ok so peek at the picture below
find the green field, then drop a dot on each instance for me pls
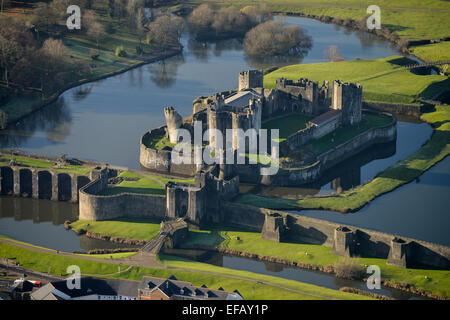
(437, 281)
(147, 184)
(58, 264)
(382, 80)
(158, 142)
(433, 52)
(287, 125)
(341, 135)
(136, 228)
(410, 19)
(250, 289)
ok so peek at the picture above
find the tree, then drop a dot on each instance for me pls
(96, 31)
(230, 22)
(273, 39)
(201, 19)
(332, 54)
(257, 15)
(165, 31)
(10, 52)
(43, 17)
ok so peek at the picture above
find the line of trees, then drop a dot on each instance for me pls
(274, 39)
(227, 22)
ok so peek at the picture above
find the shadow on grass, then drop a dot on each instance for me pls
(118, 190)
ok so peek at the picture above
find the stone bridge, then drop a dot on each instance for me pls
(41, 183)
(170, 234)
(426, 64)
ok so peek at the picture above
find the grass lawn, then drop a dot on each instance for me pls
(287, 125)
(44, 164)
(108, 256)
(137, 228)
(41, 261)
(438, 281)
(433, 52)
(342, 135)
(147, 184)
(379, 81)
(411, 19)
(158, 142)
(142, 186)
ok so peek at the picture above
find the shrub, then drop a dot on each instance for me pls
(349, 268)
(120, 52)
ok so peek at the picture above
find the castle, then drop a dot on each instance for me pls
(248, 108)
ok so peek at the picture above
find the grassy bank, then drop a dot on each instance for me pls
(287, 125)
(139, 229)
(272, 288)
(176, 262)
(413, 19)
(43, 164)
(382, 80)
(79, 47)
(433, 281)
(58, 264)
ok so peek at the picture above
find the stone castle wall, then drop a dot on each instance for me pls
(95, 207)
(326, 160)
(368, 243)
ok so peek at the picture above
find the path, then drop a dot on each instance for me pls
(143, 259)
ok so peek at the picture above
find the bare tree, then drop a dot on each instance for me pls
(332, 54)
(97, 32)
(273, 39)
(229, 22)
(165, 31)
(9, 54)
(201, 19)
(55, 50)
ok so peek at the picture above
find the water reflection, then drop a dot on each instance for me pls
(55, 120)
(40, 222)
(164, 73)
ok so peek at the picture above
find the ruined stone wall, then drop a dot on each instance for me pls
(407, 109)
(95, 207)
(347, 97)
(328, 127)
(160, 160)
(250, 79)
(298, 176)
(367, 243)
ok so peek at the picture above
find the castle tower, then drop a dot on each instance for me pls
(347, 97)
(273, 228)
(174, 122)
(250, 79)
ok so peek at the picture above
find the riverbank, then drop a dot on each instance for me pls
(413, 22)
(405, 171)
(79, 53)
(315, 257)
(250, 285)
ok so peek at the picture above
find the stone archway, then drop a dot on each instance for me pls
(64, 187)
(7, 181)
(44, 185)
(26, 182)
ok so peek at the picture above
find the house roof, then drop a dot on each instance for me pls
(88, 286)
(325, 117)
(242, 98)
(183, 290)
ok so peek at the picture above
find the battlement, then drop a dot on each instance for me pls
(347, 97)
(174, 122)
(250, 79)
